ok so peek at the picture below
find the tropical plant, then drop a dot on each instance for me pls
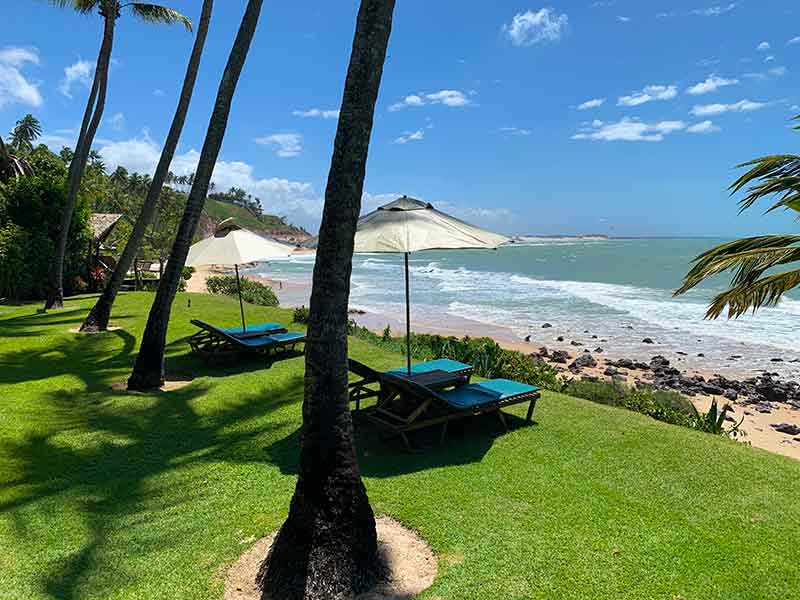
(24, 134)
(110, 11)
(12, 166)
(253, 292)
(327, 548)
(148, 372)
(752, 259)
(714, 421)
(98, 317)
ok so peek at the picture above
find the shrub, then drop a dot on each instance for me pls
(14, 276)
(300, 315)
(34, 205)
(253, 292)
(186, 273)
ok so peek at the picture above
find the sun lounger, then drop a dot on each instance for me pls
(405, 405)
(215, 342)
(360, 390)
(255, 330)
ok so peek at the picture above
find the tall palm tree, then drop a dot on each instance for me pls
(327, 547)
(97, 319)
(12, 166)
(24, 134)
(110, 11)
(148, 372)
(754, 284)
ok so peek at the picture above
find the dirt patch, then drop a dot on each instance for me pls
(78, 330)
(170, 385)
(412, 566)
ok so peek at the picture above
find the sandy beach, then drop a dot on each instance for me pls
(757, 421)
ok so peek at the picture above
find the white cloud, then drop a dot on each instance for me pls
(158, 92)
(703, 127)
(593, 103)
(288, 145)
(316, 113)
(707, 110)
(708, 62)
(769, 58)
(763, 47)
(14, 86)
(648, 94)
(778, 71)
(451, 98)
(410, 136)
(711, 11)
(714, 11)
(296, 200)
(516, 131)
(628, 130)
(528, 28)
(77, 73)
(116, 121)
(794, 40)
(711, 84)
(622, 19)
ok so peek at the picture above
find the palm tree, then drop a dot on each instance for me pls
(12, 166)
(753, 284)
(327, 547)
(110, 11)
(24, 134)
(148, 372)
(97, 319)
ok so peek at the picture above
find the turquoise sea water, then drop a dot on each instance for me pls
(619, 290)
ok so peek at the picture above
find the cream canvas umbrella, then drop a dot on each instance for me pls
(232, 245)
(409, 225)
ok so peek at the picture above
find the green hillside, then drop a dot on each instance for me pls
(219, 211)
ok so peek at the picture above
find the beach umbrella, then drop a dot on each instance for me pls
(409, 225)
(232, 245)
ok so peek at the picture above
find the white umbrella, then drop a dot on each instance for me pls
(232, 245)
(409, 225)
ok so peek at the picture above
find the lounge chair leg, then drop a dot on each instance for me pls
(407, 443)
(531, 406)
(444, 433)
(502, 419)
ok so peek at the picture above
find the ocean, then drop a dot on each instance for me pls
(619, 290)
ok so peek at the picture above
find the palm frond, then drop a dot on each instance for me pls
(81, 6)
(771, 175)
(154, 13)
(751, 257)
(763, 292)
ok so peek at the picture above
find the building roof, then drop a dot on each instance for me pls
(102, 224)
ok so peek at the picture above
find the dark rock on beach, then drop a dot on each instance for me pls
(546, 326)
(648, 341)
(582, 362)
(787, 428)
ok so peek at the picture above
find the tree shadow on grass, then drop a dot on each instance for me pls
(468, 441)
(35, 324)
(109, 473)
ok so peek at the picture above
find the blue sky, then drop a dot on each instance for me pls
(622, 117)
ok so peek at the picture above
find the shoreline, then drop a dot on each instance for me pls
(597, 360)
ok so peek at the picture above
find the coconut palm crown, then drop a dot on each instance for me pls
(150, 13)
(754, 261)
(24, 134)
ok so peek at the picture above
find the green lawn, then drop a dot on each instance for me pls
(114, 496)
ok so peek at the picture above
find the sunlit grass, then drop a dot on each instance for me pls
(109, 495)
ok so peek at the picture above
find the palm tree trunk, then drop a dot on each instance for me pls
(327, 547)
(98, 317)
(148, 372)
(91, 121)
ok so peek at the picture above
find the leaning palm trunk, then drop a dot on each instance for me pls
(98, 317)
(148, 372)
(327, 548)
(91, 120)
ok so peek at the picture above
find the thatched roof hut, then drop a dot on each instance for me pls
(102, 224)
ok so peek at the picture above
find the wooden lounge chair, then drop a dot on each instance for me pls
(214, 342)
(361, 390)
(405, 405)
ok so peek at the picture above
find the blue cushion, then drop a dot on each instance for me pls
(253, 328)
(486, 392)
(257, 342)
(440, 364)
(289, 336)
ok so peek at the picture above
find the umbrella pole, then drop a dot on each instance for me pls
(408, 320)
(241, 305)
